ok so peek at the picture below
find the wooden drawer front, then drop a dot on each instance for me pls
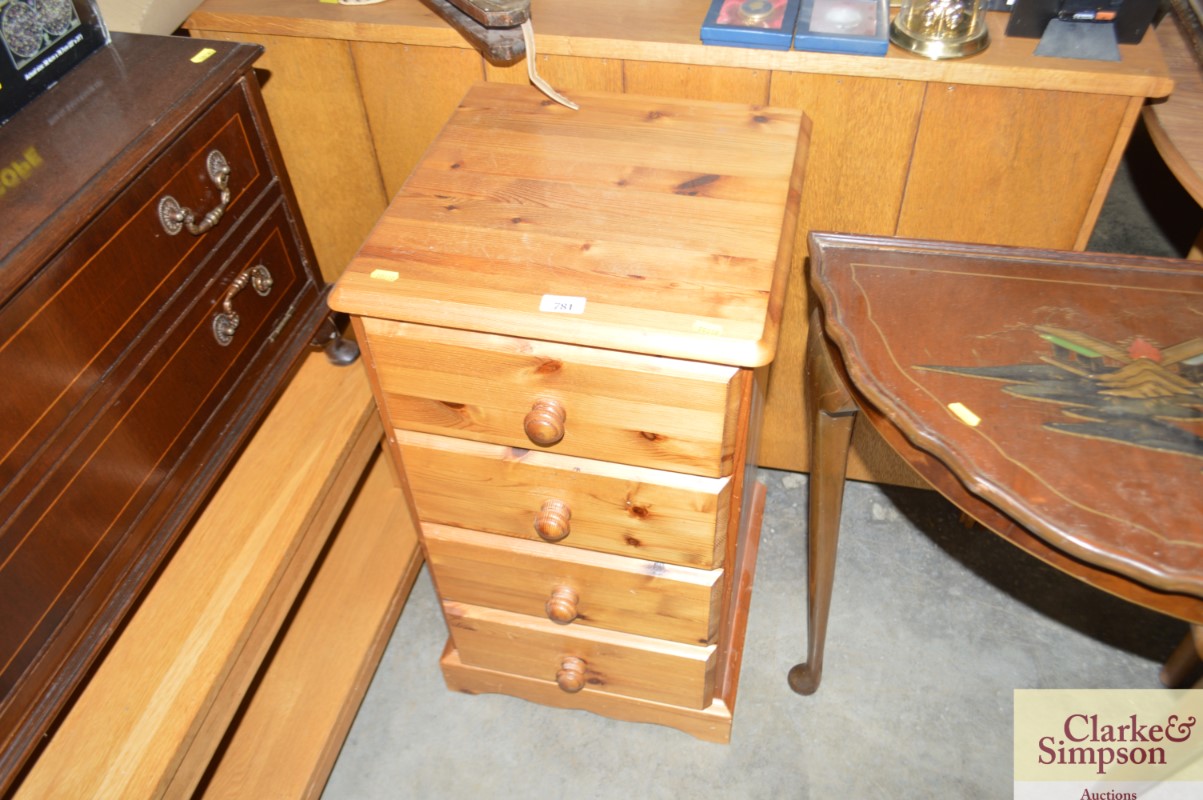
(620, 407)
(574, 587)
(636, 666)
(653, 515)
(63, 333)
(91, 512)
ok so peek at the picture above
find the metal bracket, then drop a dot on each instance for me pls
(492, 26)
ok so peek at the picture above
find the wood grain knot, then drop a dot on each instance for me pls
(691, 187)
(651, 437)
(638, 511)
(549, 366)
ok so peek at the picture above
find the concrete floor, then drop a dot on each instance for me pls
(933, 626)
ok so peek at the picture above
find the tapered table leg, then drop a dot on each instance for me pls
(1182, 667)
(832, 413)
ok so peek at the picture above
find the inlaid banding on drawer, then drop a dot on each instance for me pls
(620, 407)
(130, 455)
(64, 333)
(636, 666)
(575, 587)
(649, 514)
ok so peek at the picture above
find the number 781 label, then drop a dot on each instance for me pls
(560, 304)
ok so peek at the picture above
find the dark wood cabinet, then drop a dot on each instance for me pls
(157, 288)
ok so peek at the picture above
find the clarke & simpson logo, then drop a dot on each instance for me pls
(1108, 744)
(1083, 739)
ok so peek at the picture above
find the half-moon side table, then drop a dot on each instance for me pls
(1173, 122)
(1055, 397)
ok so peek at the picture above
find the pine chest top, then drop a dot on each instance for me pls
(652, 225)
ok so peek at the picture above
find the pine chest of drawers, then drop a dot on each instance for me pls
(567, 317)
(156, 289)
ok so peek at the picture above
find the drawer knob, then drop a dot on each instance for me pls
(175, 217)
(571, 676)
(225, 322)
(551, 523)
(544, 423)
(561, 606)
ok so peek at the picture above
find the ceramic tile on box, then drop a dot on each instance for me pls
(766, 24)
(861, 27)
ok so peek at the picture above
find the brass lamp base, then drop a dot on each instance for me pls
(938, 48)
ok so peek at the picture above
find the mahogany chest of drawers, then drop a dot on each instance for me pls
(566, 315)
(156, 288)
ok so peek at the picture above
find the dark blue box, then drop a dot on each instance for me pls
(765, 24)
(860, 27)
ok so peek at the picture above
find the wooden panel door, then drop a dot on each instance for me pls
(312, 96)
(408, 94)
(1011, 166)
(564, 73)
(863, 129)
(696, 82)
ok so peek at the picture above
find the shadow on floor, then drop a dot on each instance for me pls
(1147, 212)
(1103, 617)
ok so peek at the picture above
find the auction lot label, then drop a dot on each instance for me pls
(1108, 744)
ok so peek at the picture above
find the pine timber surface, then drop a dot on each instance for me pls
(624, 407)
(634, 666)
(663, 229)
(623, 594)
(649, 514)
(670, 233)
(712, 723)
(289, 735)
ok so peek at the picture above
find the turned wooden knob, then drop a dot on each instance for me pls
(571, 676)
(544, 423)
(561, 606)
(551, 523)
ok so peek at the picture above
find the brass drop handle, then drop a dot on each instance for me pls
(175, 217)
(561, 606)
(225, 322)
(571, 675)
(544, 423)
(552, 521)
